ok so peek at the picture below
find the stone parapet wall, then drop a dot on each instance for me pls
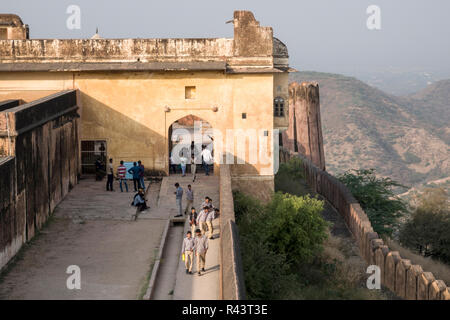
(406, 280)
(39, 146)
(232, 286)
(252, 46)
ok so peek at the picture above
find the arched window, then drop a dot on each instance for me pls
(278, 107)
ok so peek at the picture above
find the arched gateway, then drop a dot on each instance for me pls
(187, 138)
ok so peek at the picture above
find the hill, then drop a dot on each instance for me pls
(405, 138)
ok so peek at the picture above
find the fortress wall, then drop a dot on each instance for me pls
(39, 166)
(232, 286)
(304, 132)
(398, 275)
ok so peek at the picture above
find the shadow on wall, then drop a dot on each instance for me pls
(130, 140)
(126, 138)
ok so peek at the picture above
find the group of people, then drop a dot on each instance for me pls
(206, 160)
(201, 224)
(137, 171)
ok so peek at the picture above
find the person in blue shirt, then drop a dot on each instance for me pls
(136, 172)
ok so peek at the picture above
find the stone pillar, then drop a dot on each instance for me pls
(435, 290)
(423, 284)
(400, 277)
(392, 259)
(412, 280)
(445, 295)
(305, 126)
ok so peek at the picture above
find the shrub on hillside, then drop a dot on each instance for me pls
(295, 226)
(428, 229)
(376, 197)
(275, 238)
(294, 168)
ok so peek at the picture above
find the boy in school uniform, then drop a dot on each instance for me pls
(201, 248)
(201, 220)
(188, 250)
(209, 222)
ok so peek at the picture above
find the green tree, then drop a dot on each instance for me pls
(376, 197)
(428, 229)
(296, 227)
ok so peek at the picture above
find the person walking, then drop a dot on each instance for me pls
(110, 171)
(141, 174)
(193, 220)
(209, 222)
(193, 167)
(207, 203)
(201, 220)
(188, 250)
(201, 248)
(179, 199)
(183, 163)
(121, 172)
(207, 159)
(135, 171)
(189, 199)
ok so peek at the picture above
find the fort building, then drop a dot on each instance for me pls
(131, 91)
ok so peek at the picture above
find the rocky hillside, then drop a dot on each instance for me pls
(406, 138)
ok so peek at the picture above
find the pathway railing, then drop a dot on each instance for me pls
(232, 286)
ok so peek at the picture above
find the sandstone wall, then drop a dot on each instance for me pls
(399, 275)
(304, 133)
(39, 167)
(232, 286)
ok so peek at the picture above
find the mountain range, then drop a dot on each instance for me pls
(406, 138)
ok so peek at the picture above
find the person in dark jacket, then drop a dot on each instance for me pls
(193, 220)
(136, 172)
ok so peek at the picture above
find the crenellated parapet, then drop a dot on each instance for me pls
(253, 49)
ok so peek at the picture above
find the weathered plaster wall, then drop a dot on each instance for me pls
(40, 169)
(281, 89)
(127, 109)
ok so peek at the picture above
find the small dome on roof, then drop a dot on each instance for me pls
(96, 35)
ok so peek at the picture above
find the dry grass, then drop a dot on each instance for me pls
(350, 269)
(440, 270)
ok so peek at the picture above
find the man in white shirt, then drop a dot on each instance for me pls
(183, 163)
(207, 159)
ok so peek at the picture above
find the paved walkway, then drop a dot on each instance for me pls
(93, 229)
(97, 231)
(173, 282)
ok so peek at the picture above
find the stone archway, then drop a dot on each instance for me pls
(187, 137)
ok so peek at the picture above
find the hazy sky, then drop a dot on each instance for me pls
(321, 35)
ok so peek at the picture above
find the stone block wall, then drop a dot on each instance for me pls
(399, 275)
(232, 286)
(39, 146)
